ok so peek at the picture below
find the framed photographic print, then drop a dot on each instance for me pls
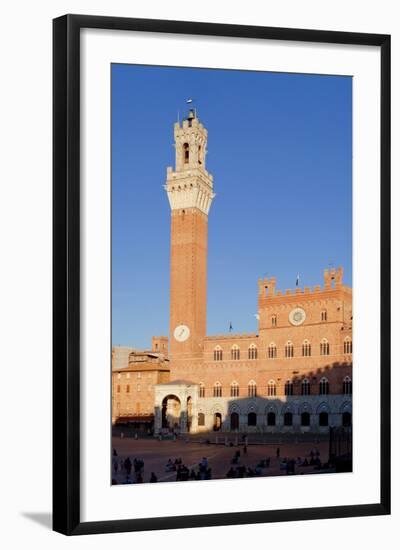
(221, 274)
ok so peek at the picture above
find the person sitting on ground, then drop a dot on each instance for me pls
(153, 478)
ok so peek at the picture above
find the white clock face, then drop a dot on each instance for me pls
(181, 333)
(297, 316)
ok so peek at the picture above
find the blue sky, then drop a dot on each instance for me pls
(280, 151)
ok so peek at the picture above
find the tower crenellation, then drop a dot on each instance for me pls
(190, 185)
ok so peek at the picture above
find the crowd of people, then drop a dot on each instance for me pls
(128, 471)
(131, 471)
(289, 465)
(183, 473)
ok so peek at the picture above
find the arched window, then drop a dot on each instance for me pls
(305, 387)
(288, 387)
(324, 347)
(323, 418)
(274, 320)
(253, 351)
(218, 353)
(252, 419)
(271, 388)
(346, 419)
(289, 350)
(202, 390)
(323, 386)
(306, 349)
(288, 419)
(347, 385)
(217, 389)
(348, 345)
(271, 419)
(305, 418)
(272, 351)
(324, 315)
(186, 153)
(234, 389)
(201, 419)
(235, 353)
(252, 389)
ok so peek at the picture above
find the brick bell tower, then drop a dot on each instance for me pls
(190, 193)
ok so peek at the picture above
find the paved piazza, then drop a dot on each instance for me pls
(155, 455)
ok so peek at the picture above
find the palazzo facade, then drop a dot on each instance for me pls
(294, 374)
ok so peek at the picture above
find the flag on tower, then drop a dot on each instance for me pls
(230, 326)
(297, 279)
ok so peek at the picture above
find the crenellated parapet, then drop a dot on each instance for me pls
(333, 280)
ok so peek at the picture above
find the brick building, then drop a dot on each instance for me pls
(294, 374)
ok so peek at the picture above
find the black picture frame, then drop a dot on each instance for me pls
(66, 273)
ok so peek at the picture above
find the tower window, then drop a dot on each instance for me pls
(202, 390)
(289, 350)
(235, 353)
(200, 154)
(324, 347)
(186, 153)
(348, 346)
(324, 315)
(217, 389)
(272, 351)
(218, 353)
(289, 388)
(324, 386)
(347, 386)
(274, 320)
(252, 389)
(253, 351)
(306, 349)
(234, 389)
(128, 388)
(305, 387)
(271, 388)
